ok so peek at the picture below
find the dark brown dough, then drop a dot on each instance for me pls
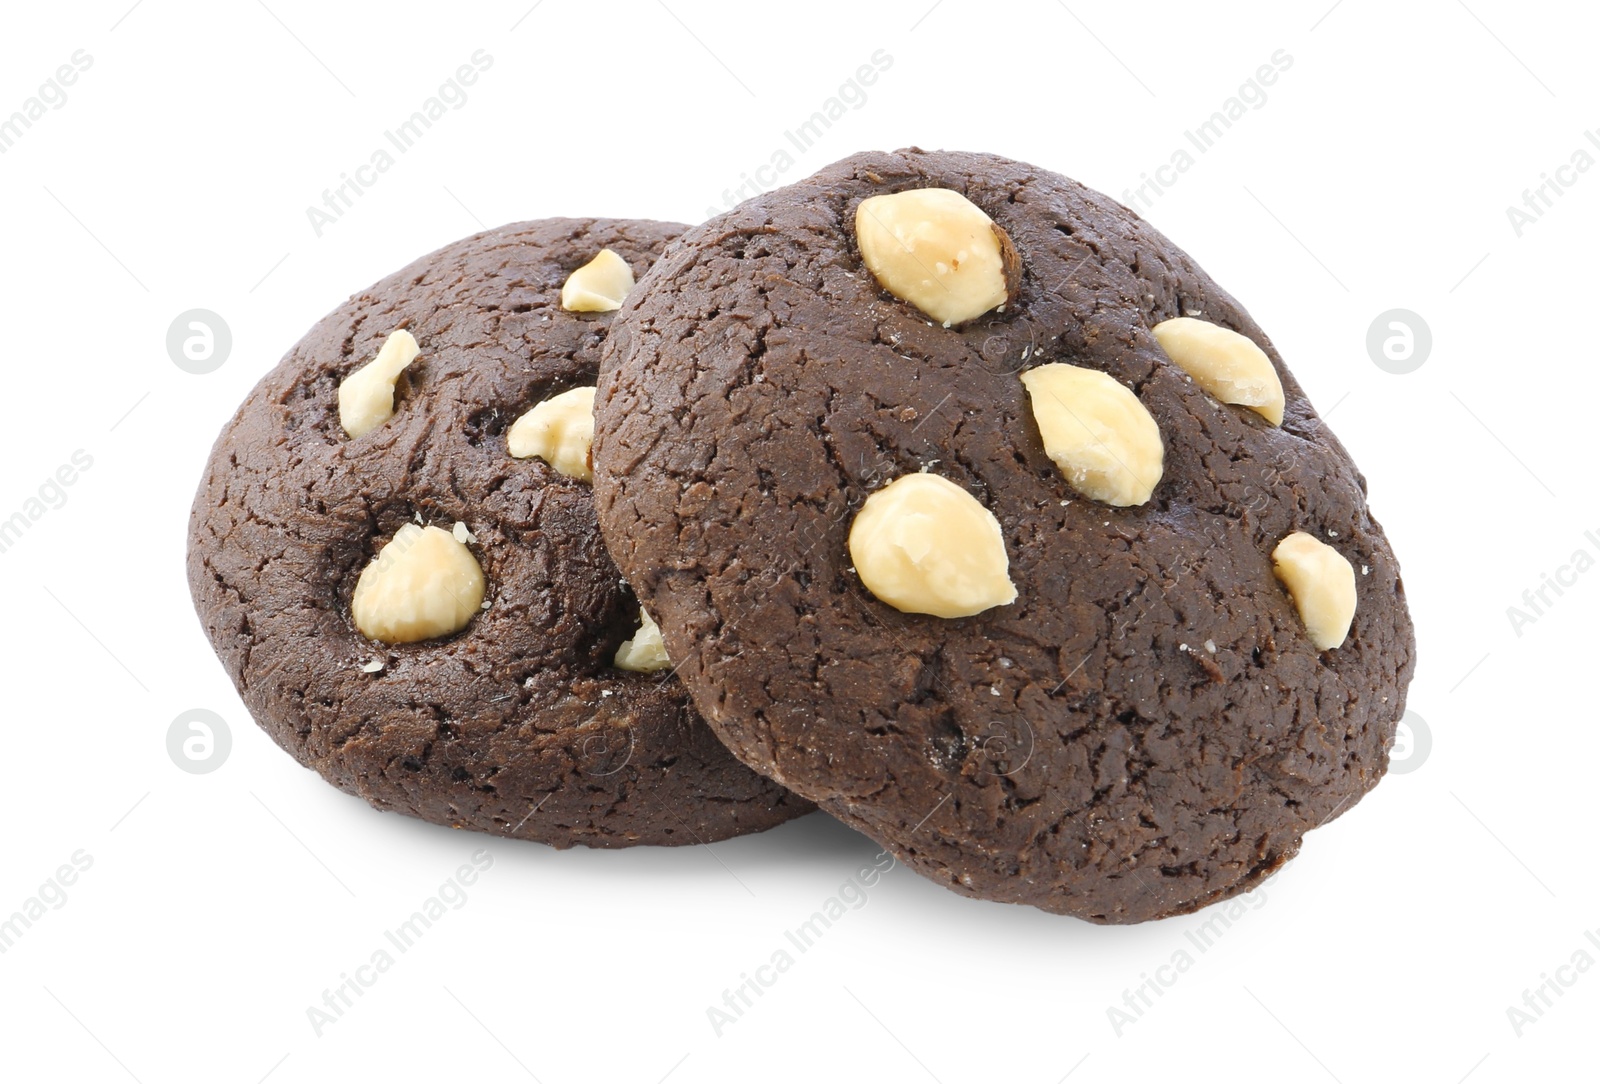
(1084, 749)
(518, 725)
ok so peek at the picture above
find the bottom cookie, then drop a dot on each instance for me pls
(521, 723)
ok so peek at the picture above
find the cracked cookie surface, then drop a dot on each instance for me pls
(1147, 728)
(518, 724)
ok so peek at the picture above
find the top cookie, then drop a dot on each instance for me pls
(1077, 682)
(512, 717)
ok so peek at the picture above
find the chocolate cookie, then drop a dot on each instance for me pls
(520, 723)
(970, 516)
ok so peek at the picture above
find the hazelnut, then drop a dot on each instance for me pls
(924, 545)
(936, 249)
(599, 285)
(424, 583)
(559, 431)
(1225, 363)
(1323, 585)
(1097, 432)
(366, 396)
(645, 652)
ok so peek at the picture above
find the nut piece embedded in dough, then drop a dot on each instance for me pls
(1224, 363)
(937, 249)
(1323, 585)
(559, 431)
(366, 396)
(645, 652)
(599, 285)
(924, 545)
(1097, 432)
(423, 584)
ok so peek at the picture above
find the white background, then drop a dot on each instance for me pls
(219, 907)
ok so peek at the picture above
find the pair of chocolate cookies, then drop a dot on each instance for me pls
(955, 498)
